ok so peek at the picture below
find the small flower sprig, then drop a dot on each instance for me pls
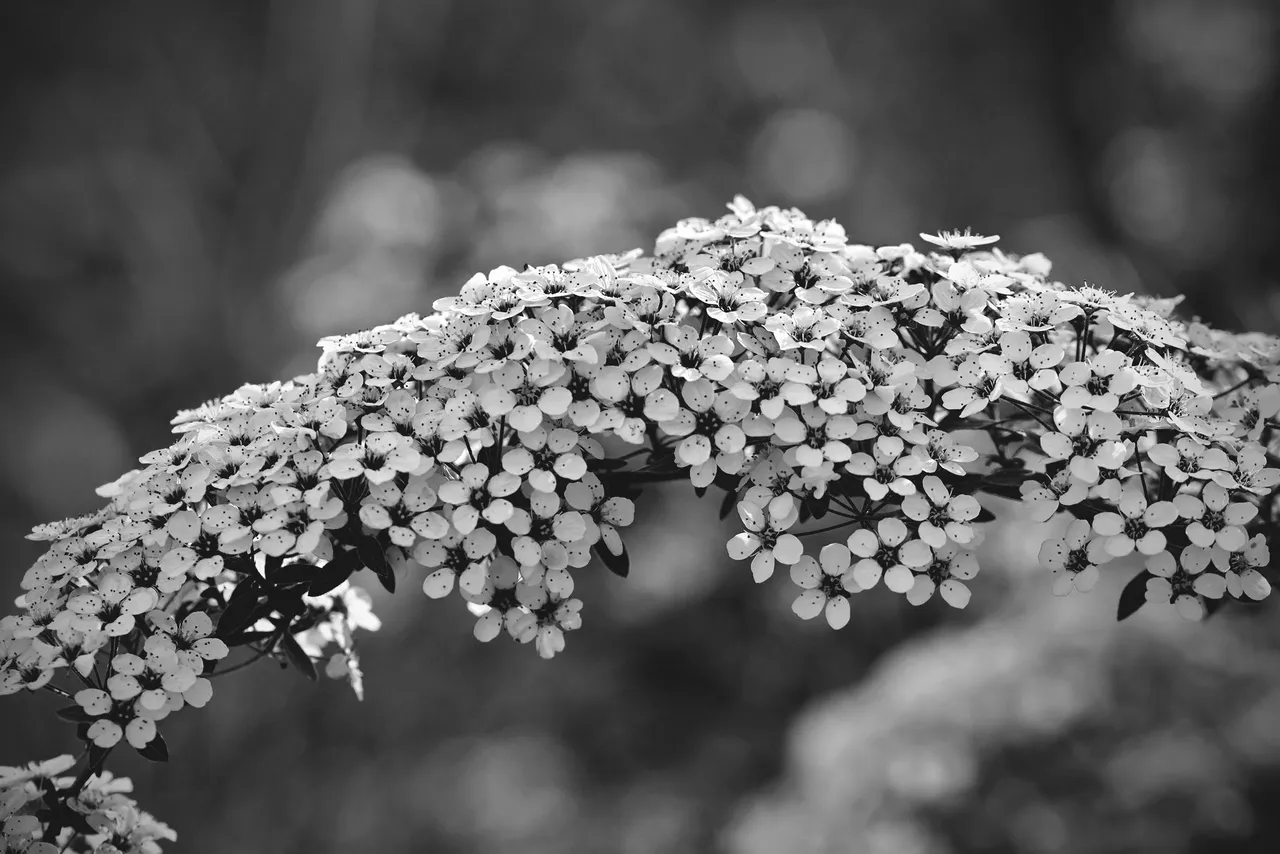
(493, 449)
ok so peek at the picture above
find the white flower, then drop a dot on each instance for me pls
(942, 450)
(380, 458)
(479, 497)
(690, 357)
(1038, 312)
(1242, 569)
(708, 430)
(958, 241)
(1045, 499)
(190, 644)
(885, 470)
(1099, 383)
(979, 386)
(1074, 558)
(1137, 525)
(827, 584)
(457, 557)
(1086, 441)
(946, 573)
(886, 551)
(765, 541)
(495, 605)
(113, 605)
(1021, 366)
(806, 327)
(941, 515)
(544, 455)
(727, 300)
(1188, 458)
(603, 515)
(1213, 519)
(1251, 472)
(1183, 581)
(544, 532)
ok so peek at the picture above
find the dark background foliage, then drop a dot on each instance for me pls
(191, 193)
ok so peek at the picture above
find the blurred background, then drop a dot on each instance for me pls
(192, 193)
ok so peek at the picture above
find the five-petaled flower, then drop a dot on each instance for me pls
(1137, 525)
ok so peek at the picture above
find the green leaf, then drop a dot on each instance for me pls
(298, 657)
(156, 750)
(1134, 595)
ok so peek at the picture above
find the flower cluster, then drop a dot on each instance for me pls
(492, 449)
(100, 815)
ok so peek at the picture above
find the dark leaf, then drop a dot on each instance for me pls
(298, 657)
(700, 491)
(240, 608)
(724, 480)
(247, 637)
(302, 623)
(374, 557)
(294, 573)
(1213, 606)
(50, 796)
(727, 504)
(1134, 595)
(156, 750)
(1085, 510)
(1013, 493)
(288, 602)
(77, 821)
(245, 565)
(97, 756)
(334, 572)
(74, 713)
(619, 565)
(985, 515)
(818, 507)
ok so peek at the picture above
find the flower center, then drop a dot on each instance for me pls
(1135, 529)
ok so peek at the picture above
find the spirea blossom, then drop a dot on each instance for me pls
(496, 449)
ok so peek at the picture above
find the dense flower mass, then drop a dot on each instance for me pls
(492, 449)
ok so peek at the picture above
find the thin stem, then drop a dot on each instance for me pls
(1244, 382)
(232, 669)
(1026, 407)
(823, 530)
(1142, 475)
